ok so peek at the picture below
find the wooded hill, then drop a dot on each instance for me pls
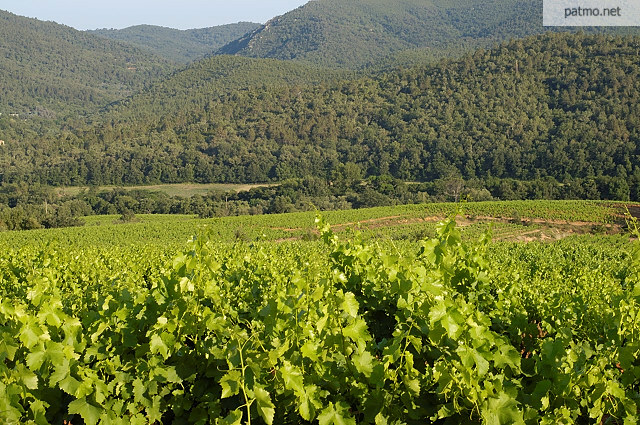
(47, 69)
(216, 76)
(179, 45)
(361, 33)
(556, 105)
(381, 35)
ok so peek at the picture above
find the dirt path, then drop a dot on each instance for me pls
(634, 210)
(546, 230)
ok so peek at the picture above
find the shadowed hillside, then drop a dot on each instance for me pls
(48, 69)
(179, 45)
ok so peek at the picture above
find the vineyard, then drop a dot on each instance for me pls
(417, 317)
(397, 222)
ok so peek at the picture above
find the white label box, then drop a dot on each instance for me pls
(591, 13)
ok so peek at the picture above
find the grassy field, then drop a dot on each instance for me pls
(184, 190)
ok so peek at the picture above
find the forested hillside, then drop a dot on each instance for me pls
(179, 45)
(47, 69)
(357, 33)
(215, 76)
(557, 105)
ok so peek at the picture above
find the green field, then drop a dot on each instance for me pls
(407, 317)
(185, 190)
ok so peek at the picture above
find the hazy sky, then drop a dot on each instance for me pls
(181, 14)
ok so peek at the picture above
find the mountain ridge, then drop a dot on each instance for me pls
(182, 46)
(359, 32)
(377, 34)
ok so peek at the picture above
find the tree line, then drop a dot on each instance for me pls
(27, 207)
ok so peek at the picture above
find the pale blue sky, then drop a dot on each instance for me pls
(181, 14)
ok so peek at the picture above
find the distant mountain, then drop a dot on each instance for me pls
(552, 106)
(179, 45)
(48, 69)
(383, 33)
(353, 33)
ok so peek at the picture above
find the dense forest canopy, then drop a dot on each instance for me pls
(556, 105)
(217, 76)
(179, 45)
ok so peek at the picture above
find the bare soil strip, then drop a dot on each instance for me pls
(546, 230)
